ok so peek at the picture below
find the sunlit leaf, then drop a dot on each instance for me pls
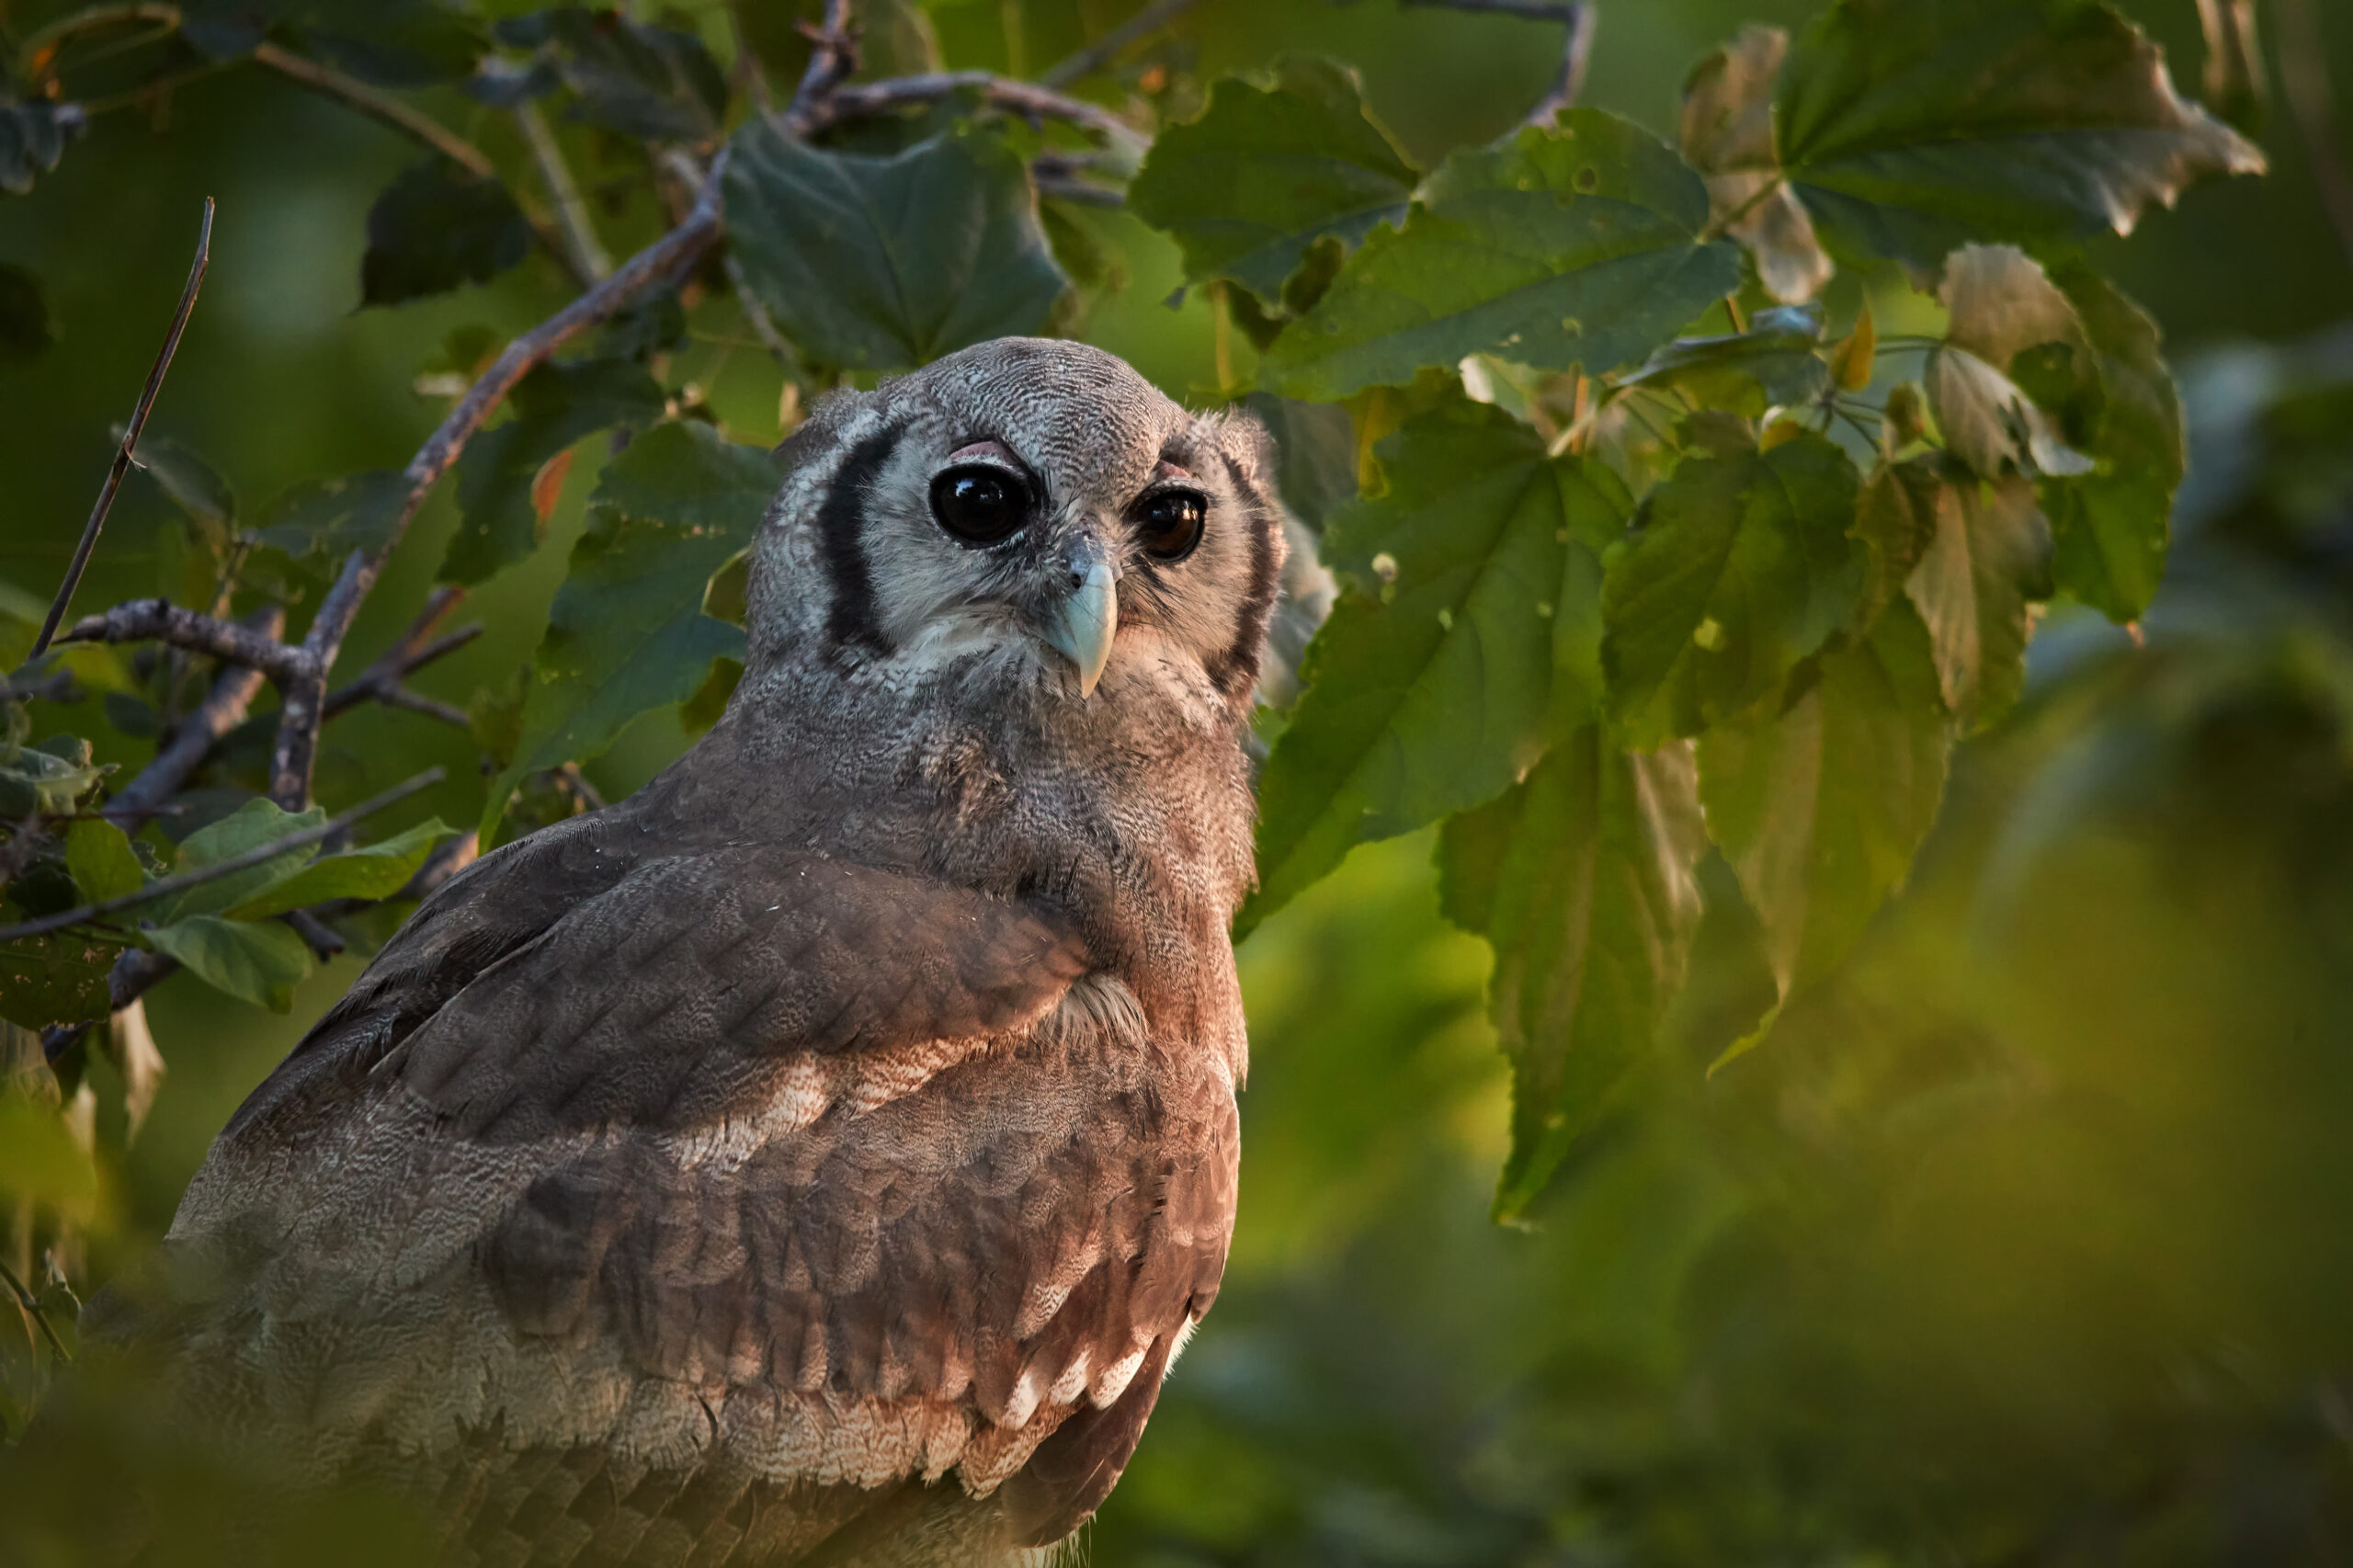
(1895, 518)
(259, 961)
(103, 863)
(249, 827)
(437, 226)
(1778, 362)
(377, 870)
(1266, 171)
(1576, 244)
(627, 632)
(556, 406)
(883, 263)
(1586, 890)
(1726, 134)
(1989, 555)
(1430, 687)
(1821, 802)
(1910, 126)
(1739, 566)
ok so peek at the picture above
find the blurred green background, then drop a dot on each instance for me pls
(2030, 1240)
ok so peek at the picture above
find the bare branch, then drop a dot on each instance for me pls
(305, 696)
(381, 681)
(161, 621)
(260, 854)
(1025, 98)
(586, 255)
(832, 61)
(130, 432)
(193, 738)
(1111, 45)
(1535, 10)
(379, 107)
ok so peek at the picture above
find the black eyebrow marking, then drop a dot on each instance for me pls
(841, 522)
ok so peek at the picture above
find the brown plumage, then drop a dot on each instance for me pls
(820, 1156)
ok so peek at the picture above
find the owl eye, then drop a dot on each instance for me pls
(980, 504)
(1169, 523)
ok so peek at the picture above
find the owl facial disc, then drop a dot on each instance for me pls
(1083, 628)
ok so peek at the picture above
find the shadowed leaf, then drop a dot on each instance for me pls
(1726, 134)
(257, 960)
(437, 226)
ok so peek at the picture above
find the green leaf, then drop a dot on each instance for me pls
(2116, 401)
(380, 870)
(556, 406)
(1740, 566)
(652, 83)
(318, 523)
(57, 979)
(627, 632)
(1895, 517)
(103, 863)
(1821, 802)
(1989, 555)
(1429, 689)
(437, 226)
(24, 330)
(1590, 897)
(885, 263)
(35, 780)
(40, 1160)
(1777, 363)
(1909, 126)
(1574, 244)
(259, 960)
(193, 484)
(394, 44)
(32, 137)
(1247, 189)
(251, 825)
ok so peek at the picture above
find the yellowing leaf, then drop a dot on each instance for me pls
(1854, 360)
(1727, 134)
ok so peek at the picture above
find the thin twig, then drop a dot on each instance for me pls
(833, 59)
(260, 854)
(383, 681)
(588, 259)
(1111, 45)
(1025, 98)
(1535, 10)
(379, 107)
(1577, 52)
(161, 621)
(305, 696)
(130, 432)
(2304, 74)
(32, 1309)
(91, 19)
(194, 736)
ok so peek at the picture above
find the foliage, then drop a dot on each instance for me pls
(1667, 584)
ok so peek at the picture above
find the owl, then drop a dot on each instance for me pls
(821, 1155)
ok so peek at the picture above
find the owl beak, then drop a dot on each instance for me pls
(1082, 629)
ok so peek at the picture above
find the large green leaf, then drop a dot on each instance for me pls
(103, 863)
(627, 632)
(1266, 172)
(318, 523)
(1572, 244)
(1429, 688)
(1740, 566)
(1988, 556)
(257, 960)
(437, 226)
(1909, 126)
(249, 827)
(57, 979)
(1583, 877)
(1821, 802)
(501, 520)
(885, 263)
(2116, 402)
(377, 870)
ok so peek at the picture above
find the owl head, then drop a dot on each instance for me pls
(1031, 508)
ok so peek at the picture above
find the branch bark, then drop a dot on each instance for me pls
(1025, 98)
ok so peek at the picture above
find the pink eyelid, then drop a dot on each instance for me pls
(982, 450)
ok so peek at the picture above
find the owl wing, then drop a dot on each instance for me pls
(748, 1149)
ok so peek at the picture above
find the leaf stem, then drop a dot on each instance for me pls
(589, 263)
(32, 1309)
(260, 854)
(378, 105)
(129, 443)
(1092, 57)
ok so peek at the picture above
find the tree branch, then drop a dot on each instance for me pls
(130, 432)
(305, 694)
(260, 854)
(378, 105)
(193, 738)
(381, 681)
(833, 59)
(1111, 45)
(1575, 54)
(589, 262)
(1025, 98)
(164, 621)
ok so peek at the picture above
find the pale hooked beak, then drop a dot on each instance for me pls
(1082, 629)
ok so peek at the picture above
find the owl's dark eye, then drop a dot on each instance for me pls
(980, 504)
(1169, 523)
